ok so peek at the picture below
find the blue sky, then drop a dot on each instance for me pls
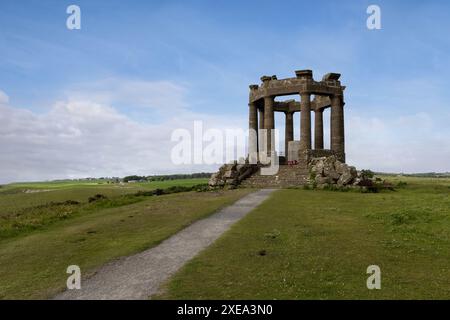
(195, 59)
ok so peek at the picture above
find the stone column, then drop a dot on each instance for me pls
(318, 129)
(269, 122)
(253, 132)
(289, 131)
(337, 124)
(261, 118)
(261, 138)
(305, 121)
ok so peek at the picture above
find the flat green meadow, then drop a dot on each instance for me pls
(45, 230)
(16, 196)
(26, 207)
(298, 244)
(310, 244)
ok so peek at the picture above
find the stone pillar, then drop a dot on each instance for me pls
(269, 122)
(289, 132)
(318, 129)
(261, 118)
(337, 125)
(305, 121)
(253, 132)
(261, 138)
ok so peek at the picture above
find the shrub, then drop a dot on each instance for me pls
(401, 184)
(97, 197)
(201, 187)
(70, 202)
(367, 174)
(174, 189)
(142, 193)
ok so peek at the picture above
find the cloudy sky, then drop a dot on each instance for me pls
(104, 100)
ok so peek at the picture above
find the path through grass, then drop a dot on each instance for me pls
(34, 266)
(303, 244)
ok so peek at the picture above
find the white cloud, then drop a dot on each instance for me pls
(81, 138)
(408, 143)
(85, 134)
(4, 99)
(157, 95)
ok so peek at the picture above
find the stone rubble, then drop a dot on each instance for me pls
(232, 174)
(329, 171)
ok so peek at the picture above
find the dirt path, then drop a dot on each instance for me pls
(139, 276)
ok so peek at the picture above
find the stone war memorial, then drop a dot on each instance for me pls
(302, 163)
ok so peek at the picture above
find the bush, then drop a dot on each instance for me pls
(201, 187)
(158, 192)
(144, 193)
(174, 189)
(177, 189)
(97, 197)
(70, 202)
(401, 184)
(367, 174)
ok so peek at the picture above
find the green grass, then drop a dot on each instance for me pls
(17, 196)
(34, 266)
(305, 244)
(23, 212)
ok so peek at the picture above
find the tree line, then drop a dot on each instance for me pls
(166, 177)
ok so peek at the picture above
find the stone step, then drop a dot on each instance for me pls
(286, 176)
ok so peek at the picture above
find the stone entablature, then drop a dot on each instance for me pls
(319, 103)
(303, 83)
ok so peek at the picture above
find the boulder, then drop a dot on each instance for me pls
(348, 175)
(231, 174)
(321, 180)
(345, 179)
(334, 175)
(340, 167)
(318, 168)
(329, 170)
(329, 167)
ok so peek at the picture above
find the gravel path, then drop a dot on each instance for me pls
(139, 276)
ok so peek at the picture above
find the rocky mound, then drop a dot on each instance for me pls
(232, 174)
(329, 171)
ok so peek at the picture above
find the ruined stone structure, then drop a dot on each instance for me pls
(328, 93)
(295, 167)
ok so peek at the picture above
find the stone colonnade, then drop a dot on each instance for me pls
(328, 94)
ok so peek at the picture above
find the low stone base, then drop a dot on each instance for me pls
(287, 176)
(308, 170)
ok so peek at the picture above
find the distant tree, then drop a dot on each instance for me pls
(368, 174)
(132, 178)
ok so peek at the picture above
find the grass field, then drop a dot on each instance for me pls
(17, 196)
(27, 207)
(33, 265)
(303, 244)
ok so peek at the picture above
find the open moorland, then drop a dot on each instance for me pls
(298, 244)
(61, 224)
(310, 244)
